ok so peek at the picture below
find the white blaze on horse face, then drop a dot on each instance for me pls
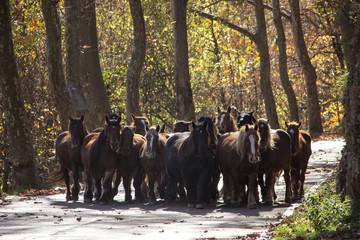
(252, 144)
(292, 132)
(221, 119)
(151, 142)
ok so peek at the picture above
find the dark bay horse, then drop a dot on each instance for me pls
(245, 118)
(67, 149)
(301, 152)
(225, 121)
(187, 162)
(239, 157)
(100, 160)
(182, 126)
(140, 124)
(129, 164)
(275, 148)
(152, 158)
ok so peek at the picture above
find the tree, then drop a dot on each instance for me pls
(283, 69)
(181, 63)
(54, 62)
(348, 14)
(21, 150)
(314, 116)
(137, 60)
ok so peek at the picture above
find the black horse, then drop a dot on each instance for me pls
(187, 161)
(245, 118)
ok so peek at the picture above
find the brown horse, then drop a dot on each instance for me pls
(100, 159)
(225, 121)
(129, 165)
(140, 124)
(152, 158)
(182, 126)
(239, 157)
(275, 148)
(67, 149)
(301, 152)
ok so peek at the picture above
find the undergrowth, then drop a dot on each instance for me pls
(323, 215)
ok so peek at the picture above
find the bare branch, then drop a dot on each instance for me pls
(287, 16)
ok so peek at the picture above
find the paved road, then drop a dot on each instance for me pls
(50, 217)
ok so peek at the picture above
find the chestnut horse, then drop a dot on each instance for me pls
(239, 157)
(140, 124)
(187, 161)
(98, 154)
(275, 148)
(301, 152)
(67, 153)
(152, 158)
(225, 121)
(129, 165)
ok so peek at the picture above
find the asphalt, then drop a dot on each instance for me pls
(51, 217)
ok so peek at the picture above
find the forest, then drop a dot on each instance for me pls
(245, 53)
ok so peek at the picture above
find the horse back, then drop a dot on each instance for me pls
(306, 145)
(62, 146)
(171, 154)
(282, 149)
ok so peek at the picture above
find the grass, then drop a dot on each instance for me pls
(323, 215)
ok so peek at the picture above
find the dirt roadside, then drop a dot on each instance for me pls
(51, 217)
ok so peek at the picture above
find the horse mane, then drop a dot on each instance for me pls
(187, 147)
(238, 145)
(269, 141)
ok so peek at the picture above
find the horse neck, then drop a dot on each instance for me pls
(187, 147)
(238, 145)
(233, 127)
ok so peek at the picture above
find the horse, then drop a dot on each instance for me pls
(99, 156)
(215, 171)
(225, 121)
(239, 157)
(187, 162)
(129, 164)
(111, 117)
(234, 112)
(140, 124)
(152, 159)
(182, 126)
(245, 118)
(275, 148)
(67, 153)
(301, 152)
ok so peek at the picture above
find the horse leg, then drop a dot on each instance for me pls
(67, 183)
(270, 182)
(288, 193)
(106, 187)
(76, 187)
(152, 197)
(191, 192)
(97, 190)
(262, 186)
(170, 192)
(297, 184)
(127, 187)
(116, 183)
(181, 190)
(252, 184)
(302, 180)
(138, 180)
(202, 189)
(162, 185)
(88, 194)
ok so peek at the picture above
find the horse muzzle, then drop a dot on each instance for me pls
(75, 144)
(255, 159)
(114, 145)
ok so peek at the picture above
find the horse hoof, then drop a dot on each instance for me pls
(190, 205)
(251, 206)
(87, 200)
(103, 202)
(68, 198)
(199, 206)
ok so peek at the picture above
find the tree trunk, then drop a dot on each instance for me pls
(283, 69)
(92, 85)
(349, 169)
(265, 84)
(181, 68)
(137, 60)
(54, 62)
(21, 150)
(314, 116)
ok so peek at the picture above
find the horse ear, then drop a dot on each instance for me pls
(158, 128)
(193, 125)
(133, 116)
(82, 118)
(219, 111)
(162, 130)
(147, 128)
(251, 113)
(253, 119)
(118, 120)
(299, 124)
(214, 120)
(70, 118)
(286, 124)
(256, 127)
(246, 127)
(229, 109)
(107, 119)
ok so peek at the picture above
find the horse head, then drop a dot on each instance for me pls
(77, 131)
(211, 129)
(112, 132)
(251, 143)
(182, 126)
(140, 124)
(225, 122)
(292, 129)
(265, 134)
(245, 118)
(152, 142)
(200, 138)
(126, 140)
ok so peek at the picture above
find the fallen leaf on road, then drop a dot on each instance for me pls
(78, 219)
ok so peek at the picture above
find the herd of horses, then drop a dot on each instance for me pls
(187, 163)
